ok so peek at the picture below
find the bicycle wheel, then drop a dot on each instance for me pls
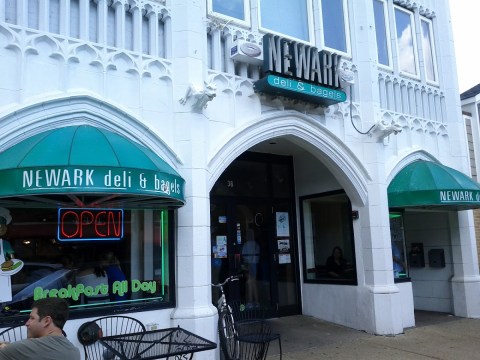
(228, 335)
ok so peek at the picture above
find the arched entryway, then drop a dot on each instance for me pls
(255, 200)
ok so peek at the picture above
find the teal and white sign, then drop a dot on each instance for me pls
(299, 71)
(82, 159)
(91, 179)
(426, 184)
(300, 90)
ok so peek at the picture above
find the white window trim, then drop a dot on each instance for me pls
(246, 8)
(388, 37)
(414, 39)
(434, 51)
(311, 35)
(348, 53)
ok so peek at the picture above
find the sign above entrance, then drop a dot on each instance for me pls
(94, 179)
(426, 184)
(300, 71)
(88, 166)
(274, 84)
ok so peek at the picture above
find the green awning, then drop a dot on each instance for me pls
(84, 166)
(425, 184)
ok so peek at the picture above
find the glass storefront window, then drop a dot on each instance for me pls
(327, 236)
(91, 274)
(400, 268)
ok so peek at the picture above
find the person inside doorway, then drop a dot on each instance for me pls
(250, 260)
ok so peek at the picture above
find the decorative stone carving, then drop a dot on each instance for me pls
(199, 95)
(383, 128)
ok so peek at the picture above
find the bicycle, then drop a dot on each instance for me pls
(226, 323)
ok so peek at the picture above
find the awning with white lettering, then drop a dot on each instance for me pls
(429, 185)
(85, 166)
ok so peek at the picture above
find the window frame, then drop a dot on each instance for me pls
(229, 19)
(433, 50)
(411, 15)
(348, 45)
(310, 25)
(325, 280)
(387, 36)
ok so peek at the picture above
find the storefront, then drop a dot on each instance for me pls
(89, 218)
(178, 142)
(426, 199)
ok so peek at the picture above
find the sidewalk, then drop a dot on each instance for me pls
(436, 336)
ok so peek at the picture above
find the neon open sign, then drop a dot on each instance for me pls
(90, 224)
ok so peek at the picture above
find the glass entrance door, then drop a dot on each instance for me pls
(255, 236)
(285, 260)
(256, 241)
(253, 252)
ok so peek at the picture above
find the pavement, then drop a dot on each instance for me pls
(436, 336)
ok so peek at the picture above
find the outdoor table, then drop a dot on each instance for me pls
(157, 344)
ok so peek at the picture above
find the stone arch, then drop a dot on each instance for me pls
(306, 133)
(26, 121)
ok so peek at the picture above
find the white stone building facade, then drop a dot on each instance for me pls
(159, 73)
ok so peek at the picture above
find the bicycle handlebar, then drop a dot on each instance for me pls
(228, 279)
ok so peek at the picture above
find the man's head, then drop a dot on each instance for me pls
(48, 316)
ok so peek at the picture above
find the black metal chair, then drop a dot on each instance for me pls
(89, 333)
(14, 333)
(253, 332)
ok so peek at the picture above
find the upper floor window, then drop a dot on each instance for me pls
(407, 58)
(381, 31)
(335, 25)
(235, 9)
(428, 50)
(286, 17)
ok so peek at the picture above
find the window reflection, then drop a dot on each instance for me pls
(406, 51)
(286, 17)
(232, 8)
(428, 52)
(400, 268)
(328, 245)
(334, 30)
(90, 274)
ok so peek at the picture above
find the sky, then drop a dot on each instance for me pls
(466, 27)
